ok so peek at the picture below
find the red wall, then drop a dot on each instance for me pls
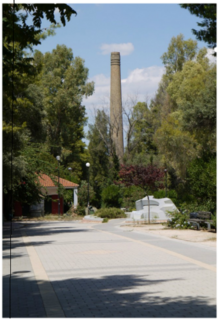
(17, 209)
(55, 204)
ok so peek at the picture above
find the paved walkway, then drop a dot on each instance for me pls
(70, 269)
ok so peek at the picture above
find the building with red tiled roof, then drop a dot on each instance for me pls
(50, 188)
(50, 182)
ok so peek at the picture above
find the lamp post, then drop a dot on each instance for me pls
(88, 165)
(58, 159)
(165, 170)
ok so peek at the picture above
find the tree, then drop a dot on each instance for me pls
(176, 147)
(83, 194)
(99, 148)
(194, 91)
(179, 52)
(64, 85)
(202, 180)
(18, 36)
(112, 196)
(103, 159)
(23, 114)
(208, 13)
(143, 130)
(22, 100)
(186, 106)
(149, 178)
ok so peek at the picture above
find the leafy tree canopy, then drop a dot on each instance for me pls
(149, 178)
(208, 13)
(179, 51)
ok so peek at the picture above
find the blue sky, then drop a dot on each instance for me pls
(140, 32)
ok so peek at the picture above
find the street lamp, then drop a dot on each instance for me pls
(88, 165)
(165, 170)
(58, 159)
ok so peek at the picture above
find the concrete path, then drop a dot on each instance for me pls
(70, 269)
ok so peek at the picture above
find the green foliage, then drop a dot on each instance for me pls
(195, 206)
(202, 179)
(194, 91)
(178, 220)
(131, 195)
(177, 146)
(179, 52)
(141, 138)
(99, 149)
(110, 213)
(23, 108)
(111, 196)
(63, 79)
(80, 210)
(171, 194)
(67, 196)
(83, 194)
(208, 13)
(215, 220)
(105, 220)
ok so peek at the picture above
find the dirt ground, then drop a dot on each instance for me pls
(200, 237)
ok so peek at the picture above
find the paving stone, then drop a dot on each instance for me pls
(99, 274)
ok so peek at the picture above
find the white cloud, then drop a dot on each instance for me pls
(124, 49)
(210, 52)
(140, 83)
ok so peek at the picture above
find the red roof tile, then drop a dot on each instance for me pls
(46, 181)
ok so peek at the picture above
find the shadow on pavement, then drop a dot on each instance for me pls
(108, 296)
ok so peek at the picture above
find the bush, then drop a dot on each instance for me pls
(80, 210)
(178, 220)
(110, 213)
(105, 220)
(131, 195)
(83, 194)
(171, 194)
(199, 206)
(215, 220)
(111, 196)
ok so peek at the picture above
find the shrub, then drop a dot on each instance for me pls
(111, 196)
(83, 194)
(130, 195)
(215, 220)
(110, 213)
(105, 220)
(178, 220)
(187, 208)
(80, 210)
(171, 194)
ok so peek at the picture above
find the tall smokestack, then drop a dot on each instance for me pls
(116, 105)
